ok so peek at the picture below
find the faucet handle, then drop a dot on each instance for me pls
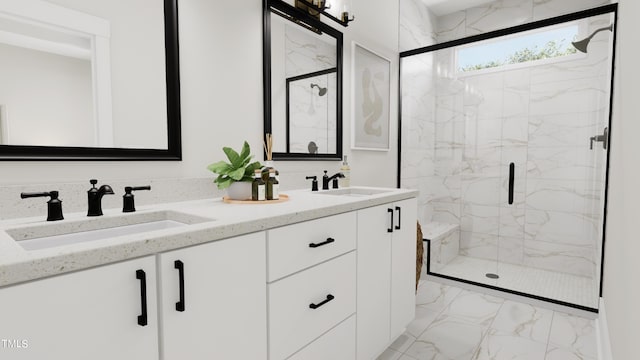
(54, 205)
(128, 204)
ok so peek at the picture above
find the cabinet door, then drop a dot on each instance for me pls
(224, 299)
(374, 279)
(403, 265)
(90, 314)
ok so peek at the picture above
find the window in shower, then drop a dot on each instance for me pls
(520, 48)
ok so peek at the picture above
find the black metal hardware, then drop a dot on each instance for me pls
(604, 139)
(54, 205)
(328, 241)
(344, 21)
(390, 228)
(329, 298)
(142, 276)
(94, 197)
(399, 210)
(512, 168)
(314, 182)
(325, 181)
(180, 266)
(128, 203)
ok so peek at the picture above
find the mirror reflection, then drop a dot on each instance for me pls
(305, 65)
(83, 73)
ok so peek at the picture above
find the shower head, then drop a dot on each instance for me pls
(321, 91)
(582, 44)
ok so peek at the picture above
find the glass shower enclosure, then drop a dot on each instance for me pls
(505, 135)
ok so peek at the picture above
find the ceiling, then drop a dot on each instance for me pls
(444, 7)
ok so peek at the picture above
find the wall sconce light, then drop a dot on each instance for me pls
(316, 7)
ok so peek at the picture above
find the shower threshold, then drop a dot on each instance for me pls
(573, 290)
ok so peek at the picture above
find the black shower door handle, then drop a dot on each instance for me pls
(179, 265)
(142, 276)
(512, 168)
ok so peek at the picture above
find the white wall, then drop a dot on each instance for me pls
(48, 98)
(221, 84)
(622, 248)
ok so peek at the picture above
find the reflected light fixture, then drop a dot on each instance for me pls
(582, 44)
(316, 7)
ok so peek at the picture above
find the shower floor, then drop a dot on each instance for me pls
(564, 287)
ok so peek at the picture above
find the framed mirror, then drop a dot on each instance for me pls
(89, 80)
(302, 84)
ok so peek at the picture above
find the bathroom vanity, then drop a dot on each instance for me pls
(325, 275)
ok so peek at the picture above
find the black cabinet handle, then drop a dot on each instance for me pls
(399, 217)
(329, 298)
(390, 228)
(142, 276)
(328, 241)
(512, 168)
(180, 266)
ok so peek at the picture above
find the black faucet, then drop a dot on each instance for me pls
(95, 197)
(128, 205)
(54, 205)
(326, 179)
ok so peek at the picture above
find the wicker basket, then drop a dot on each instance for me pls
(419, 254)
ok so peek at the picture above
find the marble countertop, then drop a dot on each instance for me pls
(219, 221)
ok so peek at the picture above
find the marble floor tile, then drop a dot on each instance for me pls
(475, 308)
(471, 326)
(502, 345)
(523, 320)
(403, 342)
(423, 318)
(573, 334)
(448, 338)
(435, 296)
(390, 354)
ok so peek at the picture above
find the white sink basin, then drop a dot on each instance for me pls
(354, 191)
(44, 236)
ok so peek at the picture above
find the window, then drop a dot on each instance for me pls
(530, 46)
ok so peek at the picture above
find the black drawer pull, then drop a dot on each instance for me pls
(399, 210)
(390, 228)
(142, 276)
(329, 298)
(328, 241)
(180, 266)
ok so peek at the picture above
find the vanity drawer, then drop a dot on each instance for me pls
(293, 322)
(337, 344)
(295, 247)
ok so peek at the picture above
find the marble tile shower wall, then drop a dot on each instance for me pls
(312, 116)
(460, 135)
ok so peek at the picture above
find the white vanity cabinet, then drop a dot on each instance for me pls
(212, 300)
(312, 289)
(91, 314)
(386, 274)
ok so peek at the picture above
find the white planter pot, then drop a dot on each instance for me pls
(239, 191)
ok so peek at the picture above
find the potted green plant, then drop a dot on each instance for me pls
(237, 174)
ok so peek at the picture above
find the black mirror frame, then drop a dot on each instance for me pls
(287, 9)
(174, 143)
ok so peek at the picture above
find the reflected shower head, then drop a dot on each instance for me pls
(321, 91)
(582, 44)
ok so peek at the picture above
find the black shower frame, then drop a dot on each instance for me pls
(611, 8)
(288, 109)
